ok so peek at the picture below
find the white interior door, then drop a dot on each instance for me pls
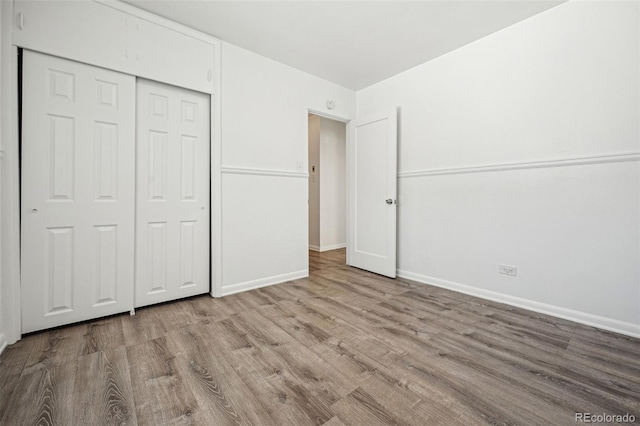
(172, 193)
(77, 195)
(372, 152)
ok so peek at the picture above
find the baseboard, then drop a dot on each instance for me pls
(263, 282)
(333, 247)
(622, 327)
(3, 342)
(327, 248)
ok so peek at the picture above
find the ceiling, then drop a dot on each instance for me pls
(351, 43)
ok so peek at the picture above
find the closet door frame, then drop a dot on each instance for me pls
(10, 77)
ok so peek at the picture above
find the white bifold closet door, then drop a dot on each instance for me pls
(172, 193)
(78, 165)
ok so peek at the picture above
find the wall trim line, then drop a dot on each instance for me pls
(262, 172)
(609, 324)
(263, 282)
(536, 164)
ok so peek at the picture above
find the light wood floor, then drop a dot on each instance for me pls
(341, 347)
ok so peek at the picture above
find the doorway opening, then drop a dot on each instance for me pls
(327, 191)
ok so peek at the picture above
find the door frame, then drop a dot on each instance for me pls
(10, 280)
(10, 183)
(345, 120)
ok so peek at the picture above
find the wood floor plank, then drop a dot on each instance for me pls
(318, 261)
(424, 310)
(145, 325)
(329, 285)
(488, 399)
(334, 421)
(160, 392)
(532, 392)
(528, 358)
(103, 391)
(305, 332)
(617, 361)
(279, 294)
(296, 371)
(340, 347)
(372, 284)
(259, 372)
(310, 371)
(389, 366)
(286, 401)
(399, 338)
(352, 369)
(210, 310)
(103, 334)
(44, 397)
(12, 365)
(178, 315)
(216, 386)
(228, 336)
(360, 408)
(400, 400)
(48, 348)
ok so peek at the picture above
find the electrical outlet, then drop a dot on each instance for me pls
(508, 270)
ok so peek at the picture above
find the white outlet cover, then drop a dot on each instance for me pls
(508, 270)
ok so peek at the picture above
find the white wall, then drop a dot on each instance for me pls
(562, 85)
(314, 182)
(264, 166)
(333, 184)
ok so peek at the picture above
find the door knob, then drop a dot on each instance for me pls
(34, 210)
(389, 201)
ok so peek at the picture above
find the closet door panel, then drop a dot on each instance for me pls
(172, 201)
(78, 133)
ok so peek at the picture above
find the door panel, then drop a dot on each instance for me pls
(77, 198)
(172, 207)
(372, 193)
